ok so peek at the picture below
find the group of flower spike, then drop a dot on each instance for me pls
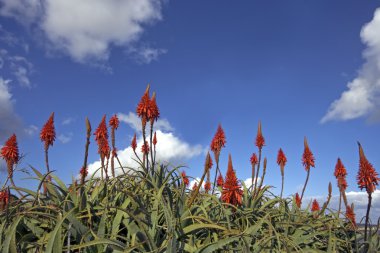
(231, 190)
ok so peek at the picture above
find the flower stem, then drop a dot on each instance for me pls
(307, 179)
(283, 179)
(367, 216)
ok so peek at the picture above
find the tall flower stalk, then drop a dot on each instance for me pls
(254, 161)
(84, 170)
(217, 143)
(10, 153)
(367, 179)
(47, 136)
(114, 124)
(259, 142)
(101, 137)
(308, 161)
(281, 161)
(154, 115)
(340, 174)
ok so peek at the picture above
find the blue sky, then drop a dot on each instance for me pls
(304, 68)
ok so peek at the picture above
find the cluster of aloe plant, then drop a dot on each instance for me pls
(150, 208)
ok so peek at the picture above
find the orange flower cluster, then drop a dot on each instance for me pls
(9, 152)
(207, 186)
(231, 193)
(281, 158)
(351, 215)
(114, 122)
(315, 206)
(154, 139)
(147, 108)
(367, 176)
(134, 143)
(340, 173)
(220, 181)
(298, 200)
(260, 141)
(101, 136)
(254, 159)
(4, 199)
(185, 179)
(308, 159)
(47, 134)
(218, 142)
(145, 148)
(83, 172)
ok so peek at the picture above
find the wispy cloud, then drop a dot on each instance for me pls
(135, 122)
(31, 130)
(67, 121)
(363, 94)
(65, 138)
(87, 29)
(146, 55)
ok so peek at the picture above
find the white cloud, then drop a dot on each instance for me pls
(18, 66)
(170, 149)
(363, 94)
(9, 121)
(146, 55)
(65, 138)
(31, 130)
(135, 122)
(67, 121)
(86, 29)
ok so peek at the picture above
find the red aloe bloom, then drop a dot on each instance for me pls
(308, 159)
(351, 215)
(342, 183)
(143, 108)
(101, 136)
(315, 206)
(195, 186)
(134, 143)
(4, 199)
(254, 159)
(145, 148)
(367, 176)
(153, 109)
(340, 173)
(9, 152)
(208, 161)
(220, 181)
(185, 179)
(207, 186)
(114, 122)
(231, 192)
(219, 141)
(47, 134)
(298, 200)
(83, 172)
(281, 158)
(154, 139)
(260, 141)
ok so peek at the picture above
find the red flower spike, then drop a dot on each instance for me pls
(9, 152)
(145, 148)
(298, 200)
(367, 176)
(340, 173)
(143, 108)
(219, 140)
(254, 159)
(47, 134)
(83, 172)
(154, 139)
(281, 158)
(260, 141)
(220, 181)
(153, 109)
(114, 122)
(308, 159)
(185, 179)
(4, 199)
(231, 192)
(207, 186)
(315, 206)
(101, 136)
(195, 186)
(208, 161)
(351, 215)
(134, 143)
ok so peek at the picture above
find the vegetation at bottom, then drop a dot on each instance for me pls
(150, 208)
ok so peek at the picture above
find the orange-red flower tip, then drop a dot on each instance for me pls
(367, 176)
(153, 109)
(308, 159)
(207, 186)
(281, 158)
(315, 206)
(134, 143)
(231, 193)
(9, 152)
(114, 122)
(145, 148)
(47, 134)
(83, 172)
(298, 200)
(101, 136)
(143, 108)
(260, 141)
(350, 214)
(219, 140)
(208, 163)
(254, 159)
(220, 181)
(185, 179)
(154, 139)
